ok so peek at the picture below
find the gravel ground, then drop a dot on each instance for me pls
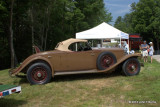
(157, 57)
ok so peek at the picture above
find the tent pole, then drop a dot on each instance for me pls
(120, 42)
(101, 42)
(76, 47)
(128, 44)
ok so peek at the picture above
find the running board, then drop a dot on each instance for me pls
(75, 72)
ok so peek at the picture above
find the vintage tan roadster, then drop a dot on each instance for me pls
(75, 56)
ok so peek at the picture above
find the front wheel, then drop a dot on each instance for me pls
(39, 73)
(131, 67)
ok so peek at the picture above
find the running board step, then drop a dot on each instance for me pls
(75, 72)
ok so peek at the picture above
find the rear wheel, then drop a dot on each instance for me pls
(39, 73)
(131, 67)
(105, 60)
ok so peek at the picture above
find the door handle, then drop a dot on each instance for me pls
(49, 56)
(92, 54)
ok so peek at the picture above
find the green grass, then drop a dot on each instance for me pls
(88, 90)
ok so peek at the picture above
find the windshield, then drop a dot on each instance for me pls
(80, 46)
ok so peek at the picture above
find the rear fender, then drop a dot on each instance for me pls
(121, 61)
(27, 63)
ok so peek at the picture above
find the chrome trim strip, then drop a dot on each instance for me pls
(75, 72)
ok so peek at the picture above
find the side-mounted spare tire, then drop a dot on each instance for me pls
(131, 67)
(106, 60)
(39, 73)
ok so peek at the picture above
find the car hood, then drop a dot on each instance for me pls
(118, 49)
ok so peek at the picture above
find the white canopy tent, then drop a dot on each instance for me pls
(103, 31)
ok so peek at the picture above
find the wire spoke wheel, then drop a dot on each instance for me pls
(131, 67)
(39, 74)
(107, 61)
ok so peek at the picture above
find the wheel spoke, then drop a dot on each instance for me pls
(132, 66)
(107, 61)
(39, 74)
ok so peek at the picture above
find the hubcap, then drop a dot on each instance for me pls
(39, 74)
(132, 66)
(107, 61)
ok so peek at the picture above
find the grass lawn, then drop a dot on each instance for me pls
(88, 90)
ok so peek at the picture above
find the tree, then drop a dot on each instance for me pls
(143, 19)
(120, 24)
(4, 29)
(11, 36)
(44, 23)
(94, 12)
(124, 23)
(146, 19)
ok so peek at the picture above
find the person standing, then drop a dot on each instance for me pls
(144, 48)
(151, 50)
(125, 47)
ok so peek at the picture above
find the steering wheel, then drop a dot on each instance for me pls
(80, 48)
(88, 46)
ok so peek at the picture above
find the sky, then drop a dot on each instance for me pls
(118, 7)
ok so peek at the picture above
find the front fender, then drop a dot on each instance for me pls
(120, 61)
(27, 62)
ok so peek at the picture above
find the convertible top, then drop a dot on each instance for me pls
(63, 46)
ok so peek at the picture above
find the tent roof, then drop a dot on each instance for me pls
(102, 31)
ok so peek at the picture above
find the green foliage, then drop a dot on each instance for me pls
(124, 23)
(146, 20)
(45, 23)
(94, 11)
(143, 19)
(4, 45)
(3, 12)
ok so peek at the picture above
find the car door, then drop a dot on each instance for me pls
(75, 61)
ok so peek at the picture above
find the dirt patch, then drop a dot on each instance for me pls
(142, 69)
(127, 88)
(156, 57)
(101, 82)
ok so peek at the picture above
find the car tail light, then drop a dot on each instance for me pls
(1, 94)
(14, 90)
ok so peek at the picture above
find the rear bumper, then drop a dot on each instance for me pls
(13, 73)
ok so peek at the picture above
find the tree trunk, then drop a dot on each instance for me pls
(11, 37)
(32, 28)
(46, 35)
(157, 40)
